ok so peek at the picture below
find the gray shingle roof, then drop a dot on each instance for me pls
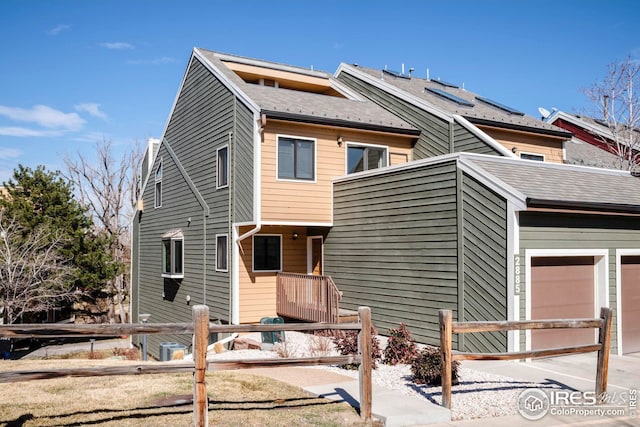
(355, 112)
(479, 111)
(562, 183)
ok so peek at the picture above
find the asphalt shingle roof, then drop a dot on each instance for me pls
(480, 110)
(358, 112)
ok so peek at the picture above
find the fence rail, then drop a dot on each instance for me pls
(449, 327)
(200, 328)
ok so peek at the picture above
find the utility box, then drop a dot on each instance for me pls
(164, 350)
(177, 348)
(273, 337)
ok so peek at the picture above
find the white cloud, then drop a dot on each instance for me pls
(24, 132)
(58, 29)
(91, 108)
(9, 153)
(44, 116)
(117, 45)
(92, 137)
(156, 61)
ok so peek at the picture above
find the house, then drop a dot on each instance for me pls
(275, 185)
(453, 119)
(592, 143)
(240, 185)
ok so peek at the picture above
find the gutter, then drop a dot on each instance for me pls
(591, 206)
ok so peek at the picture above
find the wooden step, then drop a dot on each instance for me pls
(347, 316)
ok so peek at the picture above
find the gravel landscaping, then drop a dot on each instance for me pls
(478, 395)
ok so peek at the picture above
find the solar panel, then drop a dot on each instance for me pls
(500, 106)
(446, 84)
(450, 97)
(396, 74)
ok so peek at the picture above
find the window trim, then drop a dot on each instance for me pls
(158, 181)
(173, 274)
(226, 185)
(315, 159)
(526, 153)
(360, 144)
(226, 236)
(253, 253)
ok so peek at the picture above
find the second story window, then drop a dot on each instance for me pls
(296, 158)
(223, 167)
(172, 254)
(158, 180)
(532, 156)
(365, 157)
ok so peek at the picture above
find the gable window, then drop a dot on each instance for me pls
(173, 254)
(531, 156)
(221, 252)
(296, 158)
(365, 157)
(267, 253)
(158, 180)
(223, 167)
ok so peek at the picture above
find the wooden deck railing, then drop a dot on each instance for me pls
(307, 297)
(200, 328)
(449, 327)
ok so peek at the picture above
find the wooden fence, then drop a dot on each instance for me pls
(200, 328)
(448, 327)
(307, 297)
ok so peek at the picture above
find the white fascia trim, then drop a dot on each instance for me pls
(518, 199)
(483, 136)
(298, 223)
(513, 297)
(601, 277)
(380, 84)
(228, 83)
(578, 122)
(619, 254)
(343, 89)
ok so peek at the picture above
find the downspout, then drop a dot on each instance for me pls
(260, 120)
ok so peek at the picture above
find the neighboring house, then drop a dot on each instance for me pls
(269, 175)
(453, 119)
(592, 143)
(241, 185)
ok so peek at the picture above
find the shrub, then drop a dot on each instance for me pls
(401, 348)
(427, 368)
(127, 353)
(347, 343)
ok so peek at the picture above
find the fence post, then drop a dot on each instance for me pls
(200, 342)
(445, 318)
(603, 354)
(364, 348)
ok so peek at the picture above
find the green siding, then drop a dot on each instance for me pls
(242, 165)
(572, 231)
(484, 263)
(393, 247)
(465, 141)
(202, 121)
(434, 136)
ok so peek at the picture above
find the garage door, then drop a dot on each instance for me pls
(630, 304)
(562, 288)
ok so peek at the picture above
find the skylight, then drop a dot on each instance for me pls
(500, 106)
(396, 74)
(450, 97)
(446, 84)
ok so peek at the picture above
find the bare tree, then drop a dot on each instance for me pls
(34, 276)
(107, 187)
(616, 105)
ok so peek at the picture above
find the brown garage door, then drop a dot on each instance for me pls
(562, 288)
(630, 307)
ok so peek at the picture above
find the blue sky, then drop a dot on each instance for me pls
(75, 72)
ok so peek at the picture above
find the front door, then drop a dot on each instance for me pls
(314, 255)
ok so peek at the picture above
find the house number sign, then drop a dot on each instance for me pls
(516, 288)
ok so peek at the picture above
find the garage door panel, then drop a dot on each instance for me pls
(630, 304)
(562, 288)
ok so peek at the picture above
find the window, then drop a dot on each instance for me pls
(267, 253)
(531, 156)
(221, 252)
(296, 159)
(223, 167)
(172, 254)
(158, 179)
(365, 157)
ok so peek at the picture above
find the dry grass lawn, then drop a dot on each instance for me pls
(235, 399)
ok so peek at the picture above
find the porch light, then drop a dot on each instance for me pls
(294, 236)
(340, 141)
